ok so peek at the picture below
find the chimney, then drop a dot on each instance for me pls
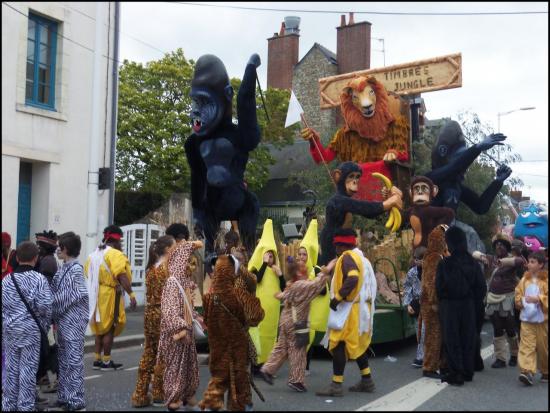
(353, 45)
(282, 54)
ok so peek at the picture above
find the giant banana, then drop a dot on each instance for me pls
(394, 221)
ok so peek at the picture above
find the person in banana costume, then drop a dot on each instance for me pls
(265, 264)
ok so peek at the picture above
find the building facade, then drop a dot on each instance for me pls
(58, 80)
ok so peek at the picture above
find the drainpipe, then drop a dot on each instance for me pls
(95, 133)
(114, 111)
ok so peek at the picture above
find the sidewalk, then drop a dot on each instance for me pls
(131, 336)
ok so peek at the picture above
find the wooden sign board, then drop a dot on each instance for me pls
(438, 73)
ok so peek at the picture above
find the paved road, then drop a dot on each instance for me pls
(398, 386)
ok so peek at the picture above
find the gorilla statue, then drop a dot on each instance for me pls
(450, 161)
(217, 150)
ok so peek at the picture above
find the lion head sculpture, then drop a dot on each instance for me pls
(365, 108)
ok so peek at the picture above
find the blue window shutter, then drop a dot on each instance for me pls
(52, 27)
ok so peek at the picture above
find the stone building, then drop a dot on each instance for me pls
(287, 72)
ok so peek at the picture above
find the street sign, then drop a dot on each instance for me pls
(438, 73)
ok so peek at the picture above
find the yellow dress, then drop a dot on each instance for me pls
(118, 264)
(319, 307)
(356, 344)
(265, 335)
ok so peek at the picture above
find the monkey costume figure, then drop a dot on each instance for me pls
(429, 310)
(350, 326)
(341, 206)
(450, 161)
(228, 312)
(375, 133)
(422, 216)
(217, 151)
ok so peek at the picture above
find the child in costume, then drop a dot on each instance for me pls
(318, 313)
(297, 298)
(412, 289)
(531, 297)
(230, 307)
(429, 309)
(270, 281)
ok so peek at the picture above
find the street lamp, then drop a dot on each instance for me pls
(510, 111)
(499, 114)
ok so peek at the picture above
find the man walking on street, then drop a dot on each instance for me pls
(350, 325)
(108, 273)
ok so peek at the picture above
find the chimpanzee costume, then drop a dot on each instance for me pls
(451, 159)
(339, 205)
(217, 151)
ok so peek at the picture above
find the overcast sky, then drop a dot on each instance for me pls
(504, 57)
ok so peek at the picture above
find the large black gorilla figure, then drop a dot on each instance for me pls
(451, 159)
(218, 150)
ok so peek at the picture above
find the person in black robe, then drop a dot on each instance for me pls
(459, 283)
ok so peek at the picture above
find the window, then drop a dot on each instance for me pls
(41, 49)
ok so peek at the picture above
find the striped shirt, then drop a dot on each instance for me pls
(17, 324)
(70, 300)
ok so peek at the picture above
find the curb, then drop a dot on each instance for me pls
(119, 342)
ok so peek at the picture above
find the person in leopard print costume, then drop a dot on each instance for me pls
(177, 339)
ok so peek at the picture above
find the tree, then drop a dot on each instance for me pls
(153, 123)
(480, 174)
(273, 132)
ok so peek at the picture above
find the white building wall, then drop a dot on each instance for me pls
(56, 143)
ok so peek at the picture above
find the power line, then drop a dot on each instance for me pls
(119, 31)
(363, 12)
(118, 62)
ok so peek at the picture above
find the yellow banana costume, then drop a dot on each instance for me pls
(394, 221)
(319, 309)
(266, 332)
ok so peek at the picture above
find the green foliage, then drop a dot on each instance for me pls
(153, 122)
(134, 205)
(317, 179)
(480, 174)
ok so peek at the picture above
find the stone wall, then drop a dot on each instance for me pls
(305, 84)
(177, 209)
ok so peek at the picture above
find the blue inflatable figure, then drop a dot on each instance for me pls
(532, 221)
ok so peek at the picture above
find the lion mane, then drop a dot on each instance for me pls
(374, 128)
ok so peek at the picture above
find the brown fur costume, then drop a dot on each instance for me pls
(228, 335)
(369, 139)
(428, 299)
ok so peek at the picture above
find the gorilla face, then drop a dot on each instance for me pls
(206, 111)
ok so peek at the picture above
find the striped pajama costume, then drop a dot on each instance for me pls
(70, 313)
(21, 336)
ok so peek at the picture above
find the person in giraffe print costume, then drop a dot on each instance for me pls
(177, 338)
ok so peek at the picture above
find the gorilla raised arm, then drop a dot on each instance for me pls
(217, 151)
(450, 161)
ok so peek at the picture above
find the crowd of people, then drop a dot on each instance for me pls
(267, 316)
(446, 292)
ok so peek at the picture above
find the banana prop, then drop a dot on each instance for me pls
(394, 221)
